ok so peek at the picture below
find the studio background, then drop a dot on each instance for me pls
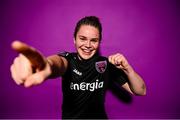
(145, 31)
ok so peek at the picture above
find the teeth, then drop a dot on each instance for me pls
(88, 51)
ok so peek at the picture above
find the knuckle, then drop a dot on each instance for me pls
(38, 82)
(109, 58)
(117, 59)
(16, 60)
(22, 76)
(12, 68)
(18, 81)
(112, 57)
(35, 80)
(119, 54)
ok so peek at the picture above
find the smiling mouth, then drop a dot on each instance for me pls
(86, 51)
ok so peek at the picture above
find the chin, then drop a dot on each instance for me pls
(86, 57)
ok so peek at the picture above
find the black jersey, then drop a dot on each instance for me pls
(84, 85)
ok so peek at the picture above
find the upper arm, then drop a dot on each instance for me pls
(58, 64)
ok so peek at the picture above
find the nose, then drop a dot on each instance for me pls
(88, 44)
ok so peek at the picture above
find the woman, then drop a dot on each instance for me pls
(85, 74)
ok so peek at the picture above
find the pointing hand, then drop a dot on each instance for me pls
(30, 67)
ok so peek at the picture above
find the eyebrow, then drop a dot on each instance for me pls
(86, 37)
(82, 36)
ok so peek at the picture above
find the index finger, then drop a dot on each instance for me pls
(35, 57)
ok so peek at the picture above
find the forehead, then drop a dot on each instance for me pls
(88, 31)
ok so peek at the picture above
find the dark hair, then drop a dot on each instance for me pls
(89, 20)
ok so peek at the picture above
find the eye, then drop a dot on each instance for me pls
(94, 40)
(82, 38)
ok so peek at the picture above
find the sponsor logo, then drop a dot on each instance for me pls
(101, 66)
(77, 72)
(86, 86)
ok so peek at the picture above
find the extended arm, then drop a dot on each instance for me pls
(58, 65)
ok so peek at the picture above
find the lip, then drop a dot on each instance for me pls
(86, 51)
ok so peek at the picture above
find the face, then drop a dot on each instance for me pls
(87, 41)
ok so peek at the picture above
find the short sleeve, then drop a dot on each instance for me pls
(64, 54)
(117, 75)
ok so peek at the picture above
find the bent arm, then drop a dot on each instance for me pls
(135, 84)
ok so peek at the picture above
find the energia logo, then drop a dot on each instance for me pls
(86, 86)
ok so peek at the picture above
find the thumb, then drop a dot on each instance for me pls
(34, 56)
(35, 79)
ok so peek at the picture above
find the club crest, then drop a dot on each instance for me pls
(101, 66)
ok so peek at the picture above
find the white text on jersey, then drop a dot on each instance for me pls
(77, 72)
(86, 86)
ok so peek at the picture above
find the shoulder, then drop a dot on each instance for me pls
(66, 54)
(102, 58)
(63, 53)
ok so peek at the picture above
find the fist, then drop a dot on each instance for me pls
(21, 69)
(120, 62)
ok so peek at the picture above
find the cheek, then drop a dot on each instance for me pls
(78, 44)
(96, 46)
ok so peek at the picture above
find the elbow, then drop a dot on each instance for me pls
(142, 92)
